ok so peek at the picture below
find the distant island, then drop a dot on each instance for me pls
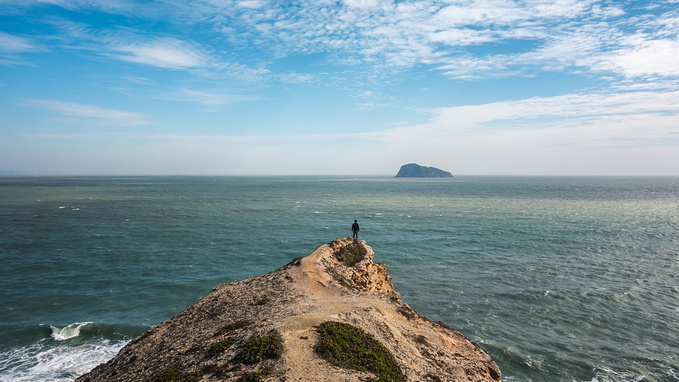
(414, 170)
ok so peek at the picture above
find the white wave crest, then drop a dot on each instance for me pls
(55, 361)
(69, 331)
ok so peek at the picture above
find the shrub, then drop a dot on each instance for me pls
(349, 347)
(233, 327)
(255, 376)
(174, 375)
(220, 347)
(261, 348)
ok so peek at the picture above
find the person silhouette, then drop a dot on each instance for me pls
(355, 229)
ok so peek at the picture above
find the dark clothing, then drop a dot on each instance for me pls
(355, 229)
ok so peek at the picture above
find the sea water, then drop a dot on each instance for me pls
(558, 279)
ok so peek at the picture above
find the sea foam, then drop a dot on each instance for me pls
(49, 360)
(69, 331)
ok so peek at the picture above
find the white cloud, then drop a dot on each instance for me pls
(647, 58)
(548, 111)
(486, 12)
(111, 6)
(460, 37)
(12, 48)
(15, 44)
(617, 133)
(211, 99)
(167, 53)
(583, 120)
(253, 4)
(361, 3)
(295, 78)
(91, 112)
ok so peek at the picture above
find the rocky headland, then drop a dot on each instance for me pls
(330, 316)
(414, 170)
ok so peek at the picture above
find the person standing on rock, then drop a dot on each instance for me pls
(355, 229)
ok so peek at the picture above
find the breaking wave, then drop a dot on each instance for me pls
(69, 331)
(69, 352)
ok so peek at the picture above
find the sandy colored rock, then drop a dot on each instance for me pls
(337, 282)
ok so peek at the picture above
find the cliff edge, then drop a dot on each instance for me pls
(330, 316)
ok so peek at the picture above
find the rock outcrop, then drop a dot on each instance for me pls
(331, 316)
(414, 170)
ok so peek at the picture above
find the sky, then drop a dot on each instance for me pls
(342, 87)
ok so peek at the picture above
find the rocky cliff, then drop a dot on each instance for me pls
(414, 170)
(331, 316)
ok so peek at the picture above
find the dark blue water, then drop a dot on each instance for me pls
(559, 279)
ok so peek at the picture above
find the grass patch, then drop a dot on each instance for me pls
(261, 348)
(349, 347)
(220, 347)
(226, 329)
(174, 375)
(255, 376)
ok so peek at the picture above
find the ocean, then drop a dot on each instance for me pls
(557, 278)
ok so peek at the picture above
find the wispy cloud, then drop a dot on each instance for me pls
(12, 49)
(463, 39)
(160, 51)
(11, 43)
(295, 78)
(572, 119)
(110, 6)
(618, 133)
(91, 112)
(212, 99)
(588, 34)
(168, 53)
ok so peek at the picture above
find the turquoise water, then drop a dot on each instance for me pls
(559, 279)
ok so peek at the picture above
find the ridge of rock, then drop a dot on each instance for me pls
(266, 328)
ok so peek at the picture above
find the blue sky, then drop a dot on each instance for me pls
(533, 87)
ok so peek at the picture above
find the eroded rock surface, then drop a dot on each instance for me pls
(266, 328)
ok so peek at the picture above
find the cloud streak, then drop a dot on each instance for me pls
(88, 113)
(12, 49)
(168, 53)
(15, 44)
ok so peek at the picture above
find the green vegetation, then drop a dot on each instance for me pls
(255, 376)
(174, 375)
(261, 348)
(220, 347)
(226, 329)
(349, 347)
